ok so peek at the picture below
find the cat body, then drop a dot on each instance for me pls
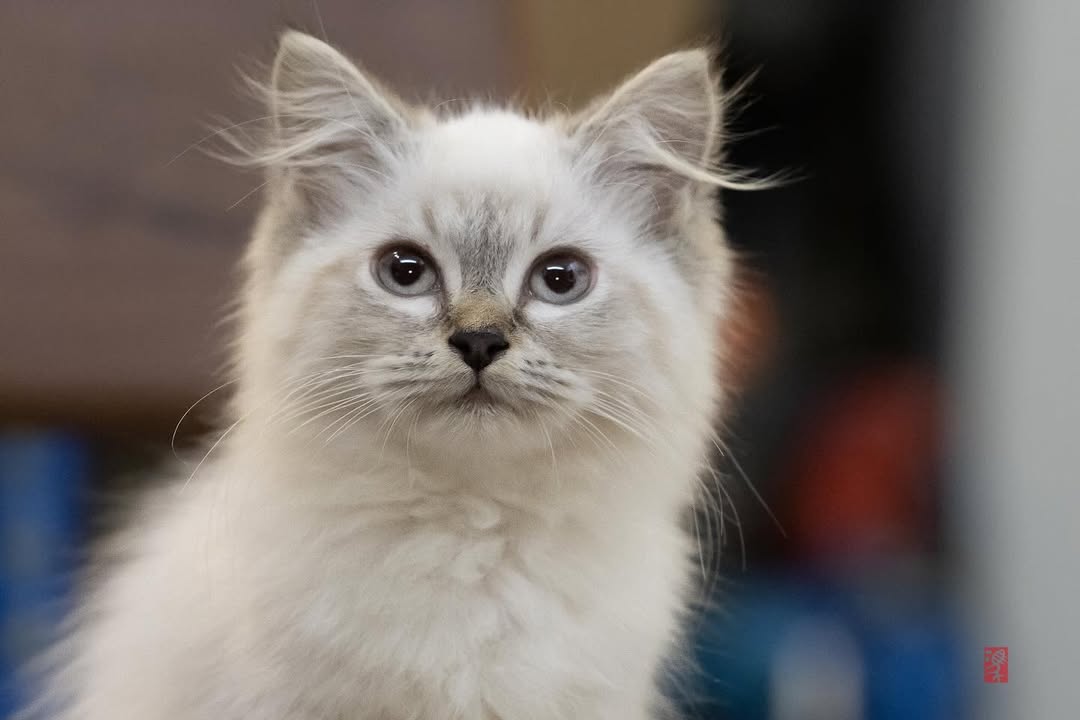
(437, 601)
(477, 381)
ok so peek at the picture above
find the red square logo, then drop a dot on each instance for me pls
(996, 664)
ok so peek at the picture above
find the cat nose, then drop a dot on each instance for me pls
(479, 348)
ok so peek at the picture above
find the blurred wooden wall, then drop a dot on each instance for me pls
(117, 256)
(573, 49)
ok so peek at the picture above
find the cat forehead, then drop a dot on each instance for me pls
(492, 150)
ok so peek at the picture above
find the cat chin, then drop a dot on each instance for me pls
(488, 425)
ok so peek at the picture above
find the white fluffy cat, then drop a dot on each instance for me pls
(477, 378)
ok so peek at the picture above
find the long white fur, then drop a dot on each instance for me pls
(350, 551)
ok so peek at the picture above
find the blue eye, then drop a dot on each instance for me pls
(405, 271)
(560, 278)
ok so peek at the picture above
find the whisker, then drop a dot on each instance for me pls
(738, 467)
(326, 410)
(390, 428)
(736, 519)
(211, 450)
(248, 194)
(350, 419)
(622, 382)
(172, 441)
(319, 398)
(551, 447)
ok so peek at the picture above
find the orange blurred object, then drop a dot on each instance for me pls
(748, 331)
(861, 481)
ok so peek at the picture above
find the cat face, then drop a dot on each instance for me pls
(483, 276)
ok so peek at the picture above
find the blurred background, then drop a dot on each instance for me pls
(900, 481)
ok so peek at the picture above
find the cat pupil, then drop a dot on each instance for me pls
(559, 278)
(406, 269)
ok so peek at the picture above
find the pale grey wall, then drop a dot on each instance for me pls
(1015, 351)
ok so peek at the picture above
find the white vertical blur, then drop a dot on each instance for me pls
(1015, 352)
(817, 673)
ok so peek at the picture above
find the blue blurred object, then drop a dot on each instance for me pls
(800, 648)
(916, 670)
(43, 478)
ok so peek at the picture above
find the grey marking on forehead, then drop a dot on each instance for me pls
(429, 219)
(484, 238)
(538, 223)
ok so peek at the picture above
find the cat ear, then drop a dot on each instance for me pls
(330, 121)
(659, 131)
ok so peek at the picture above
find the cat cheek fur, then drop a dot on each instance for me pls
(364, 541)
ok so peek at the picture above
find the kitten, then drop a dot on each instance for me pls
(477, 379)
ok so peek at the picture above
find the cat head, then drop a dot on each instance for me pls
(478, 277)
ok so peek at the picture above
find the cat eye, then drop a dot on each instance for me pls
(560, 278)
(406, 271)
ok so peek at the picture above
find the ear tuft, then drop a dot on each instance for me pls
(661, 130)
(323, 104)
(302, 58)
(328, 121)
(673, 106)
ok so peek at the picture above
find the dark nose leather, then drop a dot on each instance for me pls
(479, 348)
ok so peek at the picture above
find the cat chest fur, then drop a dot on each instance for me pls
(450, 600)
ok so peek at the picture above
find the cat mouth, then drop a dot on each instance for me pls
(480, 400)
(478, 395)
